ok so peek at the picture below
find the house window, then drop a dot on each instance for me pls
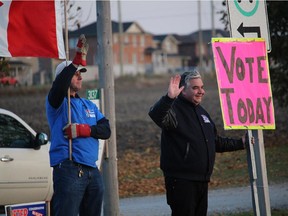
(95, 59)
(168, 46)
(202, 49)
(73, 42)
(142, 42)
(134, 59)
(115, 56)
(134, 40)
(115, 38)
(126, 39)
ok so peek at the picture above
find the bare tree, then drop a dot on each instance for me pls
(4, 66)
(74, 14)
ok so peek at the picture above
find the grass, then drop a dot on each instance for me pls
(139, 173)
(274, 212)
(277, 161)
(231, 168)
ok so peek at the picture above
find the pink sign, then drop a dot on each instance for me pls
(244, 83)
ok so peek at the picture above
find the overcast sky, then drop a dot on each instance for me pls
(160, 17)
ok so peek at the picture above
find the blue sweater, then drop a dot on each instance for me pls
(83, 111)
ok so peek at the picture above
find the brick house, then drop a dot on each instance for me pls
(136, 41)
(189, 46)
(166, 57)
(143, 53)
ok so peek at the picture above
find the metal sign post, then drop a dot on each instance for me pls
(258, 174)
(97, 97)
(252, 173)
(262, 180)
(249, 19)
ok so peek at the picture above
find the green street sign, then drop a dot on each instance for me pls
(92, 94)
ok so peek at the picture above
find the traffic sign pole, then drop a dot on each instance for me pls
(262, 180)
(96, 96)
(257, 172)
(247, 20)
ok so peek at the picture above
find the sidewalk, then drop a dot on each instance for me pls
(220, 201)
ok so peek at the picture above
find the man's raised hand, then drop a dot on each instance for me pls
(81, 51)
(174, 90)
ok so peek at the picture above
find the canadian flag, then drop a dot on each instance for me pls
(31, 28)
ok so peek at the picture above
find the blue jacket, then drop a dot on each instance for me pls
(83, 111)
(189, 139)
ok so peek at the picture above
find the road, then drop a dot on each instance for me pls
(220, 201)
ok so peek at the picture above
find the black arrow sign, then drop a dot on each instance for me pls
(249, 29)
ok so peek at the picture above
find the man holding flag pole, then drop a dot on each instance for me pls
(77, 183)
(75, 123)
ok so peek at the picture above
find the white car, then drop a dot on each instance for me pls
(25, 172)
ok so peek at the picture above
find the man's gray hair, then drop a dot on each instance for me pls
(186, 76)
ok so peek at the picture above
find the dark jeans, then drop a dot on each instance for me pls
(186, 198)
(74, 194)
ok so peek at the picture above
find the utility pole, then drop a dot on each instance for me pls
(213, 32)
(120, 34)
(106, 81)
(212, 18)
(200, 40)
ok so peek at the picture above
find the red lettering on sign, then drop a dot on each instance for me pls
(20, 212)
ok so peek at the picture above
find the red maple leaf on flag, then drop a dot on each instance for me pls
(1, 3)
